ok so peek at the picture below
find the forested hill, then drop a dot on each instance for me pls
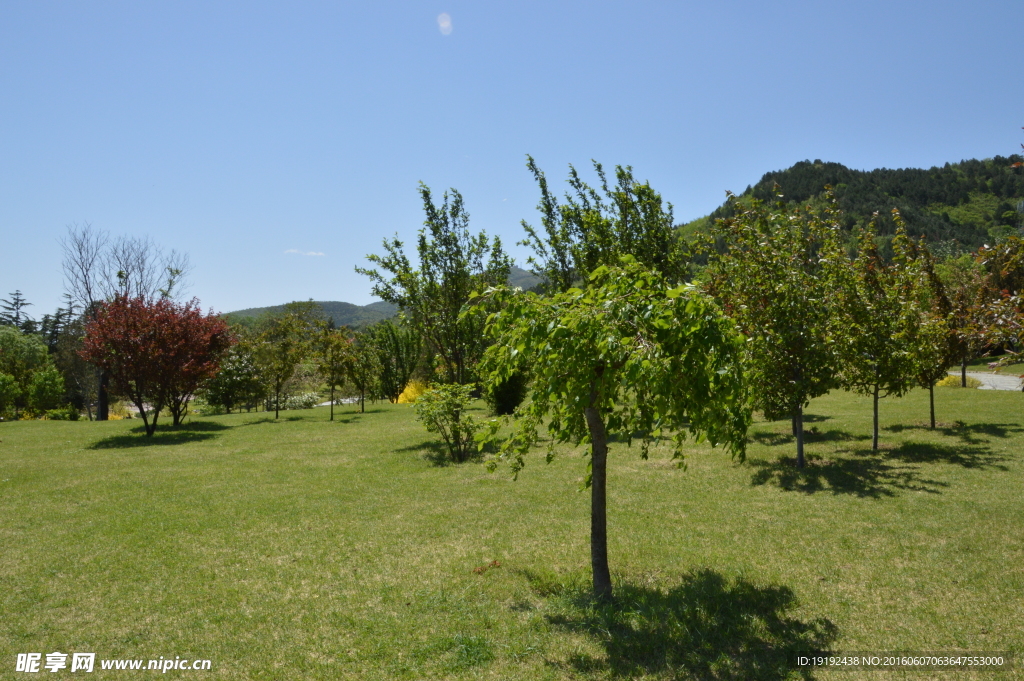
(360, 316)
(971, 202)
(343, 314)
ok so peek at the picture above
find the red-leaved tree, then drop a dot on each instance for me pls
(157, 352)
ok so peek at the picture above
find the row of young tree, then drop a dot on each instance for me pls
(636, 333)
(818, 317)
(298, 349)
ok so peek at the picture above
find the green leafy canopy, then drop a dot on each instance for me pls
(650, 358)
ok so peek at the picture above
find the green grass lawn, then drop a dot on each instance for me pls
(981, 364)
(304, 549)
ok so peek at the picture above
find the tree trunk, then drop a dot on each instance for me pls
(332, 401)
(103, 398)
(277, 401)
(362, 402)
(874, 429)
(931, 401)
(963, 373)
(141, 406)
(798, 430)
(598, 503)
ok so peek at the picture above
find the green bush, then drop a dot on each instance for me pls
(9, 393)
(504, 397)
(443, 411)
(46, 390)
(67, 413)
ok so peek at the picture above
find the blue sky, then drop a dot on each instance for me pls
(252, 134)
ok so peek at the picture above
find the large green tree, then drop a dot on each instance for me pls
(879, 320)
(238, 383)
(629, 354)
(399, 348)
(452, 264)
(969, 293)
(333, 359)
(937, 343)
(22, 355)
(590, 228)
(362, 368)
(284, 341)
(14, 314)
(769, 265)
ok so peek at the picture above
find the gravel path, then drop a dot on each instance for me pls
(993, 381)
(340, 400)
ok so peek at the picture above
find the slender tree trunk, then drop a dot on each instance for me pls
(332, 401)
(103, 398)
(874, 430)
(277, 400)
(598, 502)
(362, 401)
(931, 401)
(963, 373)
(141, 406)
(798, 430)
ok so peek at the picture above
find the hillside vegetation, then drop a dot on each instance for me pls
(343, 314)
(963, 204)
(361, 316)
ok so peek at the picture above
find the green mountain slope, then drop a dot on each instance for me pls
(969, 203)
(359, 316)
(343, 314)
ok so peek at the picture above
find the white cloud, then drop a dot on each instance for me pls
(298, 252)
(444, 22)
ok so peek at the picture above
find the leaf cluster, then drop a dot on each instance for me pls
(772, 266)
(452, 264)
(652, 358)
(591, 228)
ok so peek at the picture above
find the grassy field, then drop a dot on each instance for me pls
(981, 364)
(304, 549)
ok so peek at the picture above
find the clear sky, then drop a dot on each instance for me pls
(278, 143)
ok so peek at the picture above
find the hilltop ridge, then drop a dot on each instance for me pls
(967, 203)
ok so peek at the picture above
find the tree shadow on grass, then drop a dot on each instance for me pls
(436, 452)
(866, 476)
(271, 419)
(176, 436)
(811, 434)
(967, 433)
(705, 627)
(966, 455)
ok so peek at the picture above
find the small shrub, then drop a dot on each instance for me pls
(412, 392)
(504, 397)
(302, 401)
(299, 401)
(118, 411)
(953, 381)
(443, 411)
(67, 413)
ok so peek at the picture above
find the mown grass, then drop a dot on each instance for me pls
(301, 548)
(981, 364)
